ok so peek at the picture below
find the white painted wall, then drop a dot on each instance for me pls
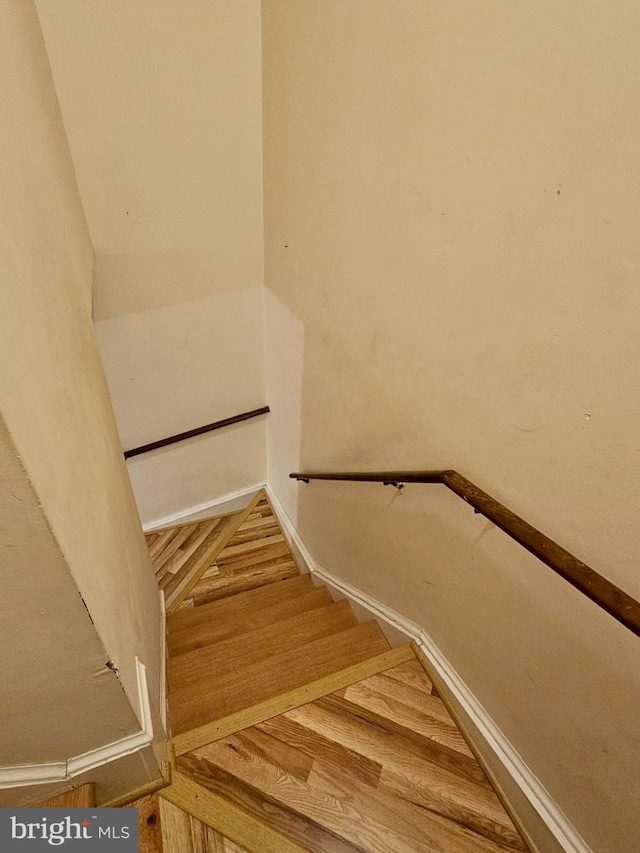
(451, 250)
(162, 107)
(70, 530)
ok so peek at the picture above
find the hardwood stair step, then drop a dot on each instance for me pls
(233, 822)
(215, 697)
(261, 809)
(209, 633)
(223, 585)
(271, 640)
(229, 617)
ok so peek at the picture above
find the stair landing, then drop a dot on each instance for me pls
(296, 728)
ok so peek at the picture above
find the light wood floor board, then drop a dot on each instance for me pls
(264, 809)
(420, 721)
(215, 697)
(183, 833)
(223, 628)
(226, 818)
(261, 711)
(449, 759)
(267, 642)
(150, 832)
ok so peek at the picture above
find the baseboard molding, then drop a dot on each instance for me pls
(223, 504)
(17, 776)
(555, 820)
(164, 699)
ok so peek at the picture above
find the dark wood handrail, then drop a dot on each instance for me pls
(172, 439)
(602, 592)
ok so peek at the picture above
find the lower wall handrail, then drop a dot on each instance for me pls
(172, 439)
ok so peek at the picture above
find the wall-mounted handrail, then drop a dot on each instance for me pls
(602, 592)
(172, 439)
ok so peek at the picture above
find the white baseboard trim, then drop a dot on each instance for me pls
(556, 821)
(19, 775)
(178, 517)
(164, 699)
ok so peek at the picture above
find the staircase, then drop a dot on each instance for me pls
(295, 727)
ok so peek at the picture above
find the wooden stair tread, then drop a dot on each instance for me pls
(361, 815)
(212, 698)
(242, 602)
(209, 633)
(266, 810)
(228, 584)
(273, 639)
(331, 773)
(298, 695)
(227, 617)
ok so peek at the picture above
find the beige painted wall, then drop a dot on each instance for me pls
(451, 252)
(70, 523)
(162, 107)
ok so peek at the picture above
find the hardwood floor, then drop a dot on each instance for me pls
(363, 771)
(165, 828)
(295, 727)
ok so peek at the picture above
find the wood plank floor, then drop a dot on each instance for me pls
(165, 828)
(380, 766)
(298, 729)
